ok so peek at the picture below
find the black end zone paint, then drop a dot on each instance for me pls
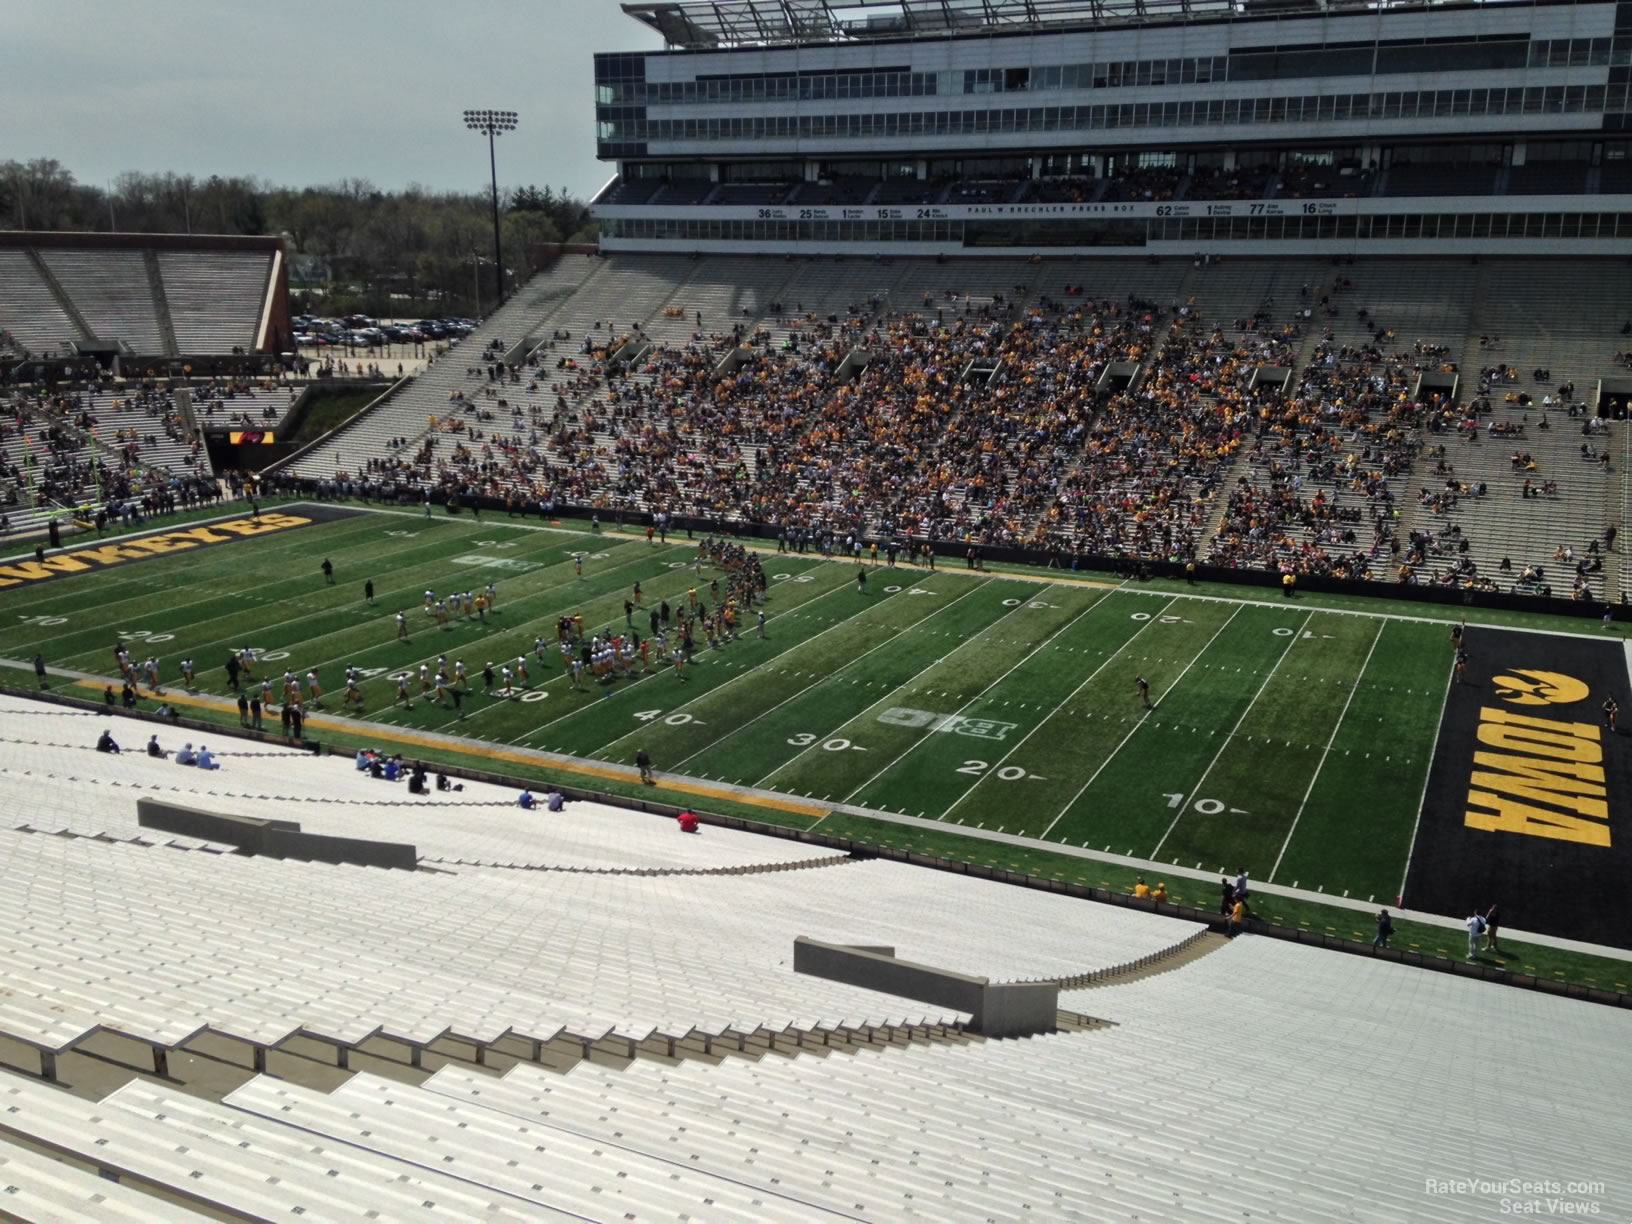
(89, 555)
(1510, 815)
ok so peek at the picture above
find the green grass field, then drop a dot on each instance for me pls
(1290, 739)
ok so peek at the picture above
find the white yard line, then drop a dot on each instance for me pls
(1070, 697)
(843, 586)
(1196, 790)
(1040, 579)
(907, 683)
(1083, 789)
(968, 704)
(1450, 675)
(1330, 740)
(822, 680)
(561, 677)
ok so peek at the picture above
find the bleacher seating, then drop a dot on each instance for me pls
(111, 291)
(693, 934)
(214, 297)
(629, 191)
(581, 425)
(1163, 1116)
(751, 193)
(27, 308)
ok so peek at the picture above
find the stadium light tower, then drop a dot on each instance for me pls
(494, 123)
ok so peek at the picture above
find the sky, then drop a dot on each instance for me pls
(303, 92)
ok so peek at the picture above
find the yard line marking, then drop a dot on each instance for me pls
(385, 618)
(551, 593)
(528, 627)
(106, 605)
(843, 586)
(1141, 722)
(1196, 790)
(1330, 740)
(1049, 716)
(1450, 675)
(820, 679)
(1023, 658)
(907, 683)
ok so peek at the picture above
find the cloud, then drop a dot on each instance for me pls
(310, 91)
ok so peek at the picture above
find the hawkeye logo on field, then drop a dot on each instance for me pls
(1539, 688)
(83, 560)
(1543, 777)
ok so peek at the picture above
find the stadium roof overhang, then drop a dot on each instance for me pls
(723, 24)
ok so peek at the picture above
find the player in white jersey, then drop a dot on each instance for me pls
(430, 601)
(470, 605)
(507, 682)
(578, 565)
(354, 692)
(402, 692)
(442, 668)
(459, 676)
(187, 673)
(266, 692)
(246, 660)
(575, 666)
(522, 676)
(402, 627)
(424, 679)
(441, 614)
(314, 691)
(492, 597)
(538, 649)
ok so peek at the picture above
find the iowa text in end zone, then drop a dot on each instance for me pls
(1529, 802)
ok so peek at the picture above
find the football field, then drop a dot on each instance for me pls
(1289, 740)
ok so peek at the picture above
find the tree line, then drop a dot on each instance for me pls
(352, 246)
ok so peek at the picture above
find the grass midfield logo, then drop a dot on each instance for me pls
(140, 548)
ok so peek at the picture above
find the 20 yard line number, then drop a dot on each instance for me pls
(1008, 773)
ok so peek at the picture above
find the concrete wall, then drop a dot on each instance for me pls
(273, 838)
(1003, 1009)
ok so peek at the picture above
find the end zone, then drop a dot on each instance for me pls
(67, 562)
(1529, 801)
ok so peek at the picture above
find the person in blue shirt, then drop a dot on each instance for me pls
(526, 801)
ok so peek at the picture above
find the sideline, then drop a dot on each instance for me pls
(753, 797)
(478, 748)
(1063, 579)
(1171, 869)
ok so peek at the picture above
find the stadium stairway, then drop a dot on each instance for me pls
(161, 304)
(405, 413)
(60, 295)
